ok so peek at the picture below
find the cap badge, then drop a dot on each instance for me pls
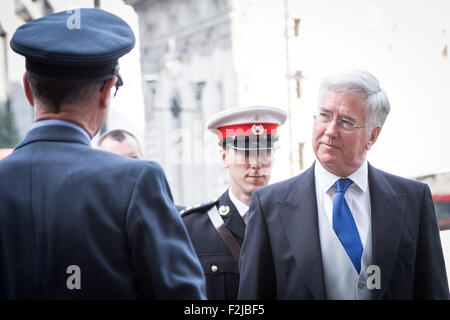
(258, 129)
(223, 210)
(256, 118)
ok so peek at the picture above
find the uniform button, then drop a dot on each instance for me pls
(214, 268)
(223, 210)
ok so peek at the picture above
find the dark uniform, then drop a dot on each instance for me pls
(76, 222)
(217, 228)
(220, 267)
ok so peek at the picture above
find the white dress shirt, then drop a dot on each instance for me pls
(357, 196)
(240, 206)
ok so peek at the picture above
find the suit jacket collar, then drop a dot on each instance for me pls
(233, 220)
(388, 210)
(300, 220)
(55, 133)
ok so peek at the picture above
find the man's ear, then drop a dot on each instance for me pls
(373, 137)
(26, 86)
(105, 94)
(223, 156)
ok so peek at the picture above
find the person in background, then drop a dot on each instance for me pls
(247, 139)
(344, 229)
(76, 222)
(121, 142)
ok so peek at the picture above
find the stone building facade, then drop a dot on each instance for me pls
(201, 56)
(196, 61)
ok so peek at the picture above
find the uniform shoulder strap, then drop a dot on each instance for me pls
(224, 233)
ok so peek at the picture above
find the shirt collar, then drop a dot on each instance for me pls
(57, 122)
(240, 206)
(327, 179)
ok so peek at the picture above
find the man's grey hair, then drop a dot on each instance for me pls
(365, 85)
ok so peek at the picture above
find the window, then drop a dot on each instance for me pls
(443, 214)
(301, 147)
(297, 27)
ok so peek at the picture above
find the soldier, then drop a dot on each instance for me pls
(76, 222)
(247, 139)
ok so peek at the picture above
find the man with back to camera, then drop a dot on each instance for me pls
(121, 142)
(76, 222)
(247, 139)
(344, 229)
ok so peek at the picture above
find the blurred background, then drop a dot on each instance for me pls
(194, 58)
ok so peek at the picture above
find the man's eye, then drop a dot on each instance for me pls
(346, 124)
(324, 116)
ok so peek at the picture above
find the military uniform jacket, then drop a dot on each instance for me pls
(65, 205)
(220, 267)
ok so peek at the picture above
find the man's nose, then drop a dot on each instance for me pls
(255, 161)
(332, 128)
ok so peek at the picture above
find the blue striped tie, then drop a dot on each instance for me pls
(344, 225)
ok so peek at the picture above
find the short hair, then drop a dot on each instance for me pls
(116, 134)
(365, 85)
(54, 93)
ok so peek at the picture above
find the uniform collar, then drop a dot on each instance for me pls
(240, 206)
(57, 122)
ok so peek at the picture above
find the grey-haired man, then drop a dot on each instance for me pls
(344, 229)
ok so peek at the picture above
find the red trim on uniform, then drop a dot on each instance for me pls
(444, 223)
(441, 197)
(245, 129)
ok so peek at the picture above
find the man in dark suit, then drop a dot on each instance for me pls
(344, 229)
(80, 223)
(247, 139)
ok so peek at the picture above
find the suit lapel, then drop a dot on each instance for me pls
(388, 209)
(233, 220)
(298, 213)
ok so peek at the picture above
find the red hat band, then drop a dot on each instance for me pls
(247, 129)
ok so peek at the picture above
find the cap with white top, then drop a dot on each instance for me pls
(248, 128)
